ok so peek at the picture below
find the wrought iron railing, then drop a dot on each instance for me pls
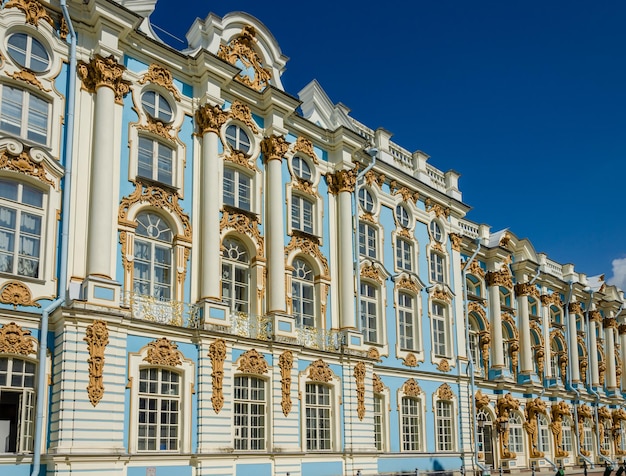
(149, 308)
(321, 339)
(249, 325)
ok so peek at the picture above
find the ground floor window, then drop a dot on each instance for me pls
(17, 405)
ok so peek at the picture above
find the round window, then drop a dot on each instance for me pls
(28, 52)
(237, 138)
(366, 200)
(402, 215)
(435, 231)
(156, 106)
(301, 168)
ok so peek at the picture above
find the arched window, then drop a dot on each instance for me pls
(17, 404)
(485, 435)
(301, 168)
(516, 434)
(411, 414)
(152, 271)
(474, 287)
(303, 293)
(555, 315)
(237, 138)
(24, 114)
(249, 413)
(366, 200)
(235, 275)
(28, 52)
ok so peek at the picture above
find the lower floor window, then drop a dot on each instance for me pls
(516, 436)
(318, 419)
(17, 404)
(444, 426)
(249, 417)
(159, 410)
(411, 438)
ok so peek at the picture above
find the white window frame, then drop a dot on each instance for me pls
(26, 122)
(156, 157)
(242, 189)
(300, 287)
(568, 435)
(412, 425)
(440, 329)
(301, 168)
(404, 254)
(371, 316)
(437, 263)
(302, 214)
(543, 434)
(254, 417)
(235, 140)
(366, 200)
(444, 425)
(403, 217)
(413, 333)
(516, 435)
(26, 402)
(164, 115)
(368, 240)
(235, 267)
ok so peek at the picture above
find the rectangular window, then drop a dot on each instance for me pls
(155, 161)
(249, 413)
(378, 421)
(516, 439)
(237, 189)
(367, 240)
(404, 255)
(411, 440)
(444, 426)
(406, 318)
(23, 114)
(436, 268)
(567, 436)
(301, 214)
(440, 332)
(17, 405)
(369, 313)
(318, 417)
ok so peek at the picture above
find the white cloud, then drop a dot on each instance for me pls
(619, 273)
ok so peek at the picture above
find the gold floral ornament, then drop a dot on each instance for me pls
(244, 225)
(306, 146)
(210, 118)
(97, 338)
(359, 377)
(285, 362)
(15, 340)
(481, 400)
(443, 366)
(24, 164)
(104, 72)
(217, 353)
(439, 210)
(373, 353)
(341, 181)
(252, 362)
(163, 352)
(240, 52)
(411, 388)
(504, 406)
(319, 371)
(444, 392)
(17, 294)
(309, 247)
(410, 360)
(28, 77)
(379, 387)
(33, 10)
(274, 148)
(162, 77)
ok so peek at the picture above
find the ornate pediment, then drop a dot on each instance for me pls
(252, 362)
(15, 340)
(162, 77)
(240, 52)
(319, 371)
(163, 352)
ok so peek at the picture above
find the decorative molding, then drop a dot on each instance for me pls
(305, 146)
(444, 365)
(242, 113)
(554, 298)
(377, 383)
(526, 289)
(584, 412)
(373, 273)
(407, 195)
(63, 29)
(17, 294)
(342, 181)
(274, 148)
(484, 341)
(163, 352)
(441, 295)
(241, 49)
(308, 246)
(28, 77)
(410, 360)
(504, 406)
(372, 178)
(439, 210)
(252, 362)
(504, 240)
(157, 128)
(475, 269)
(456, 241)
(97, 337)
(24, 164)
(104, 72)
(595, 316)
(162, 77)
(478, 309)
(239, 158)
(217, 354)
(33, 10)
(444, 392)
(359, 377)
(411, 388)
(15, 340)
(320, 372)
(373, 353)
(500, 278)
(245, 225)
(210, 118)
(575, 308)
(610, 323)
(408, 284)
(285, 362)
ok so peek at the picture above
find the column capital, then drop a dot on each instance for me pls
(575, 308)
(595, 316)
(610, 323)
(526, 289)
(342, 181)
(621, 329)
(554, 298)
(104, 72)
(274, 148)
(499, 278)
(210, 118)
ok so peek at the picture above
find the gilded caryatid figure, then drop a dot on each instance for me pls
(584, 412)
(101, 72)
(605, 424)
(559, 410)
(503, 408)
(618, 415)
(531, 425)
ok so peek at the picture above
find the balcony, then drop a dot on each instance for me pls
(152, 309)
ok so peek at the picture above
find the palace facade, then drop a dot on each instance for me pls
(204, 275)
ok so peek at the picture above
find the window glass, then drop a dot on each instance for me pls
(237, 139)
(436, 267)
(444, 426)
(249, 413)
(379, 421)
(303, 293)
(402, 215)
(155, 161)
(235, 275)
(237, 189)
(406, 315)
(369, 312)
(366, 200)
(28, 52)
(440, 332)
(17, 402)
(411, 416)
(318, 419)
(301, 214)
(367, 240)
(301, 168)
(404, 255)
(159, 410)
(23, 114)
(152, 268)
(156, 106)
(435, 231)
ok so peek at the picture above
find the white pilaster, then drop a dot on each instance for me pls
(593, 345)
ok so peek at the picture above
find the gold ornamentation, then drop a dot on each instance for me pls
(475, 269)
(410, 360)
(526, 289)
(554, 298)
(24, 164)
(478, 309)
(408, 284)
(217, 353)
(504, 406)
(304, 186)
(158, 198)
(15, 340)
(610, 323)
(379, 387)
(242, 113)
(534, 408)
(481, 400)
(159, 75)
(373, 273)
(439, 210)
(308, 246)
(210, 118)
(500, 278)
(584, 412)
(373, 353)
(241, 49)
(443, 365)
(157, 128)
(63, 29)
(368, 216)
(411, 388)
(97, 337)
(618, 415)
(444, 392)
(441, 295)
(252, 362)
(320, 372)
(575, 308)
(28, 77)
(437, 246)
(305, 146)
(558, 411)
(17, 294)
(621, 329)
(163, 352)
(244, 225)
(605, 424)
(372, 178)
(285, 362)
(484, 340)
(274, 148)
(104, 72)
(342, 181)
(505, 240)
(407, 195)
(33, 10)
(241, 159)
(456, 241)
(359, 377)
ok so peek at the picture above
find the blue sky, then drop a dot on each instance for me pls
(525, 99)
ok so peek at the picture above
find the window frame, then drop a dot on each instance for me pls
(236, 266)
(302, 218)
(444, 426)
(158, 99)
(440, 329)
(412, 426)
(404, 254)
(437, 265)
(234, 141)
(26, 124)
(368, 318)
(402, 309)
(27, 398)
(157, 145)
(238, 189)
(250, 414)
(28, 52)
(298, 299)
(368, 240)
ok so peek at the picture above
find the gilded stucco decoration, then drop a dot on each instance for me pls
(444, 392)
(308, 246)
(610, 323)
(575, 308)
(539, 348)
(533, 408)
(441, 295)
(217, 354)
(341, 181)
(359, 377)
(285, 362)
(618, 364)
(505, 240)
(406, 194)
(372, 178)
(601, 365)
(605, 423)
(558, 411)
(242, 113)
(478, 309)
(158, 198)
(162, 77)
(377, 383)
(621, 329)
(584, 412)
(411, 388)
(595, 316)
(305, 186)
(437, 246)
(455, 241)
(163, 352)
(405, 233)
(526, 289)
(319, 371)
(500, 278)
(274, 148)
(97, 338)
(63, 29)
(368, 217)
(475, 269)
(210, 118)
(241, 49)
(444, 365)
(15, 340)
(439, 210)
(410, 360)
(551, 299)
(33, 10)
(252, 362)
(305, 146)
(245, 225)
(17, 294)
(583, 360)
(28, 77)
(481, 400)
(373, 353)
(104, 72)
(484, 341)
(504, 406)
(408, 284)
(24, 164)
(157, 128)
(618, 415)
(373, 273)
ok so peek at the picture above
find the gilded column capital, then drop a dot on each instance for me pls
(526, 289)
(104, 72)
(595, 316)
(341, 181)
(210, 118)
(274, 148)
(621, 329)
(499, 278)
(610, 323)
(575, 308)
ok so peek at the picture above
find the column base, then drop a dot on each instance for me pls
(101, 291)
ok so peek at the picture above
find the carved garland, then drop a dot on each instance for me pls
(359, 377)
(217, 353)
(15, 340)
(285, 362)
(17, 294)
(320, 372)
(305, 146)
(97, 337)
(373, 273)
(252, 362)
(439, 210)
(162, 77)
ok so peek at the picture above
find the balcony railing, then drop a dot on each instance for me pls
(320, 339)
(149, 308)
(255, 327)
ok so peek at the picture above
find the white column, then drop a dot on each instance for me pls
(622, 339)
(594, 317)
(522, 290)
(609, 336)
(495, 319)
(574, 309)
(347, 318)
(210, 119)
(274, 148)
(545, 326)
